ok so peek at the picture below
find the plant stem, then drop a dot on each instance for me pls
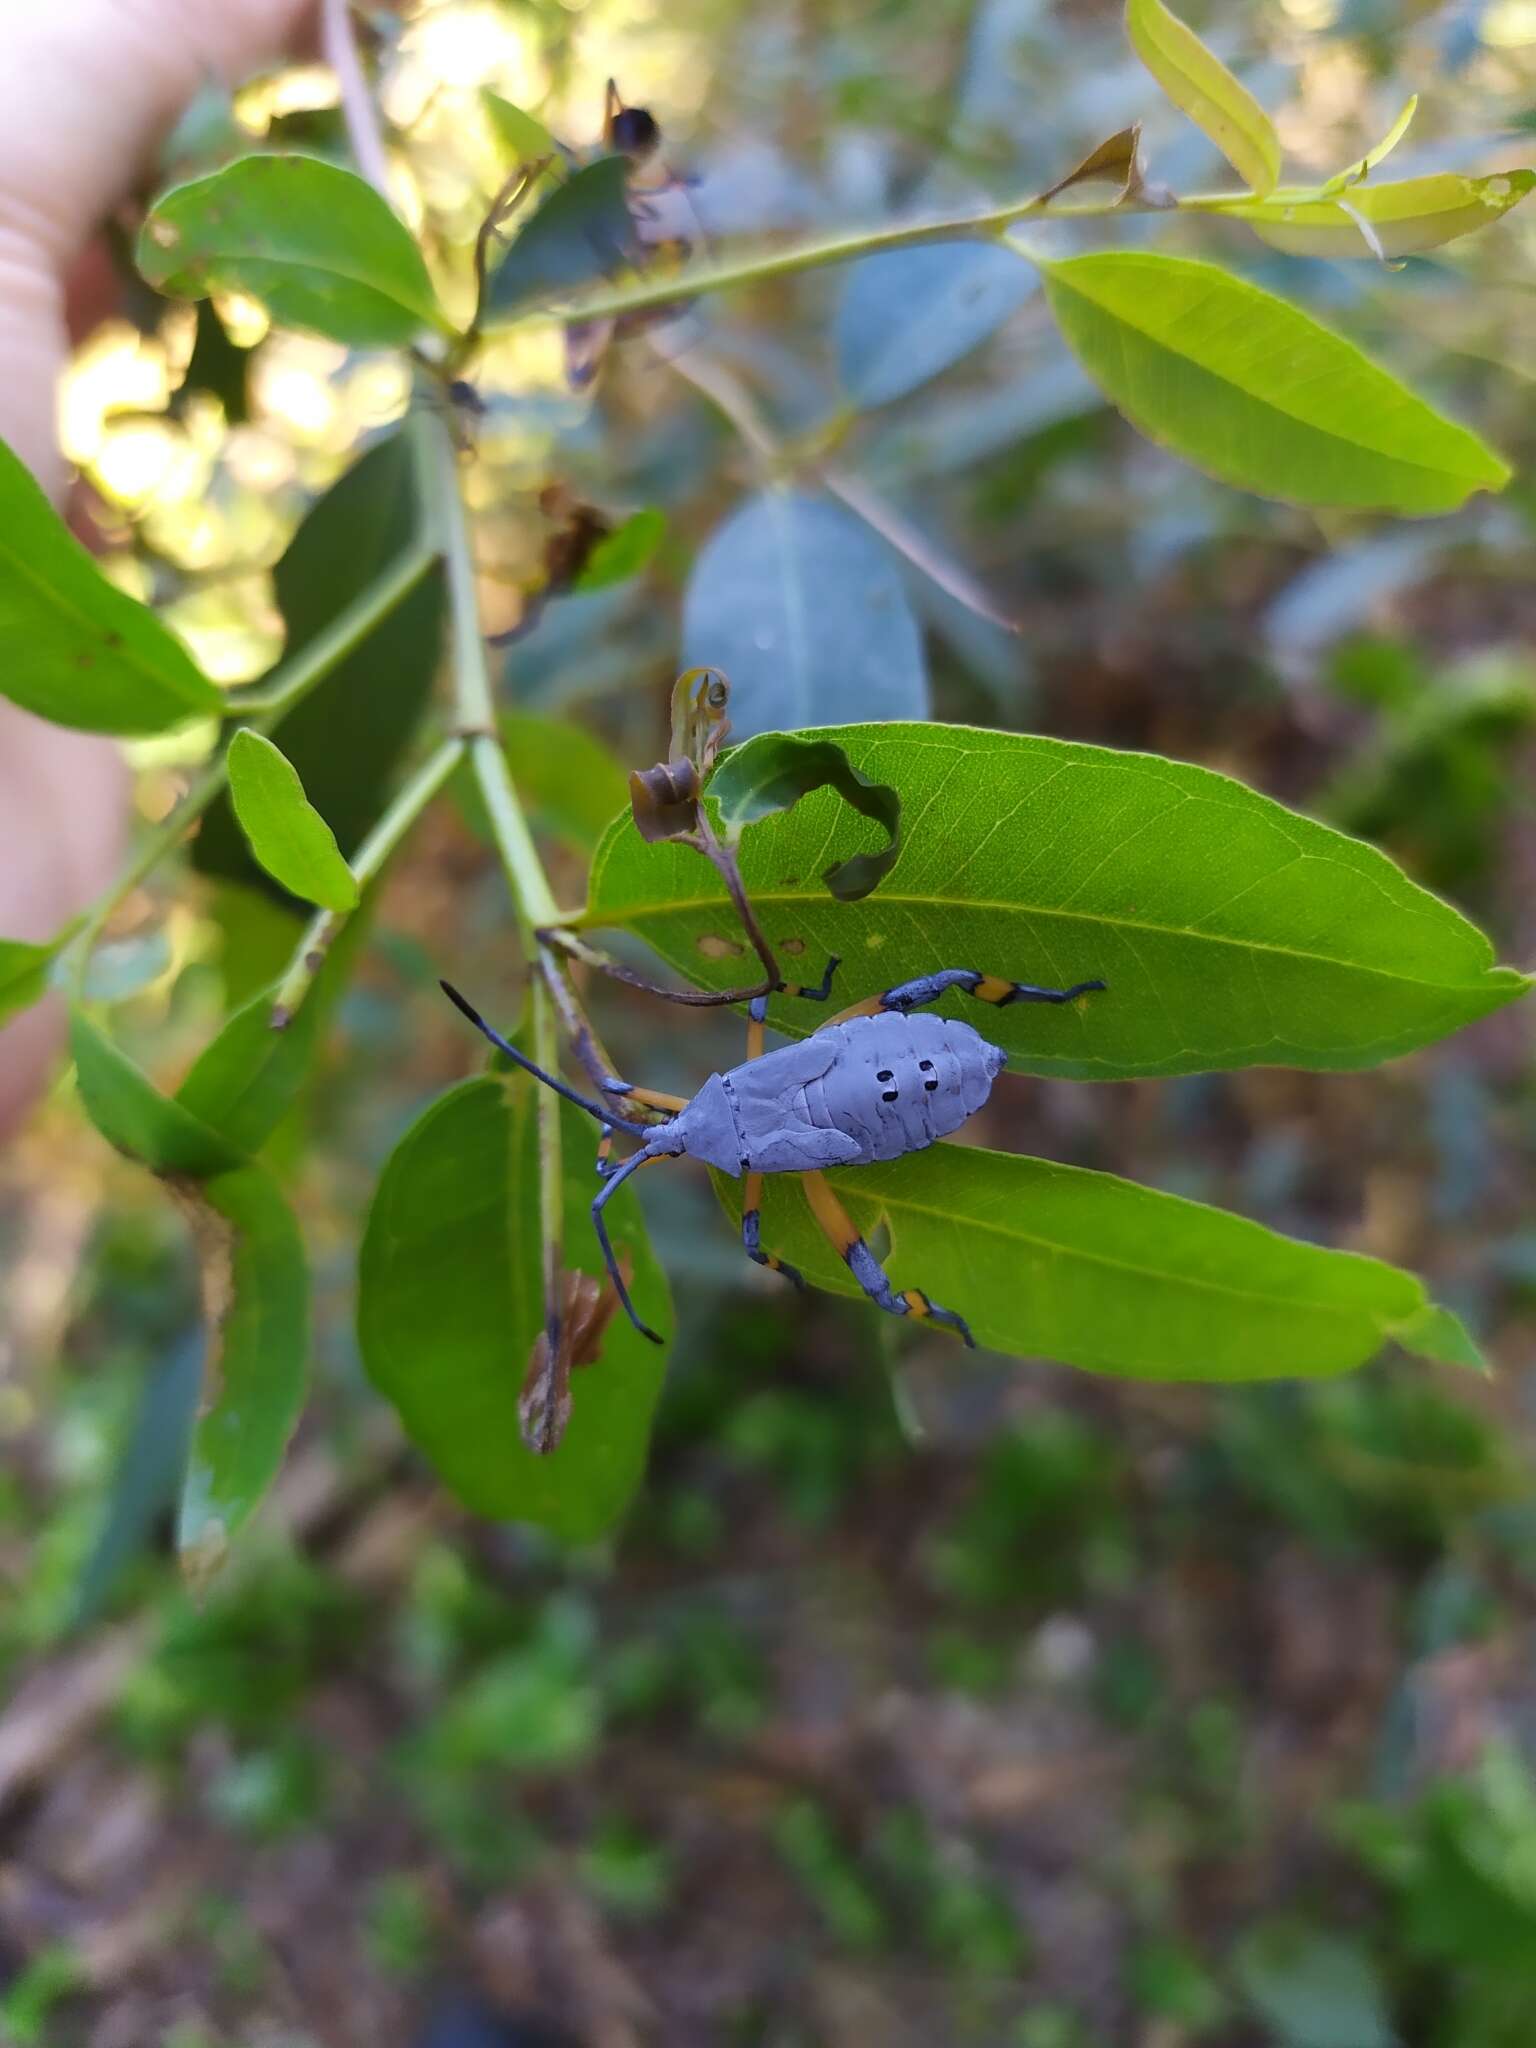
(363, 131)
(760, 265)
(366, 864)
(292, 683)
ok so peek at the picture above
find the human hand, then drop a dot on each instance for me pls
(86, 86)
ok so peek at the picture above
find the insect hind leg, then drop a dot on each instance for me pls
(839, 1229)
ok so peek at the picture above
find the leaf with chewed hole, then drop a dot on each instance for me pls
(450, 1304)
(764, 779)
(1401, 219)
(1231, 931)
(79, 651)
(1048, 1261)
(285, 831)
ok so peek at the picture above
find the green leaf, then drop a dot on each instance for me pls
(568, 780)
(286, 833)
(1258, 393)
(772, 773)
(1405, 218)
(132, 1114)
(347, 739)
(256, 1301)
(624, 552)
(581, 232)
(1056, 1262)
(24, 971)
(1313, 1989)
(450, 1303)
(79, 651)
(1200, 85)
(255, 1292)
(1231, 931)
(802, 609)
(906, 314)
(523, 136)
(246, 1079)
(315, 243)
(1362, 169)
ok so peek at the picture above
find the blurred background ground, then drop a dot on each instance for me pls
(922, 1699)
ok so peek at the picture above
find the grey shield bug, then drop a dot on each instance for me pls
(876, 1082)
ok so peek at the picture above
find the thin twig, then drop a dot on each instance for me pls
(357, 108)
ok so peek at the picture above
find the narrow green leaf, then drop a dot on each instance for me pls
(803, 610)
(581, 232)
(256, 1301)
(146, 1475)
(765, 778)
(1258, 393)
(1200, 85)
(624, 552)
(350, 735)
(255, 1291)
(1405, 218)
(132, 1114)
(24, 970)
(79, 651)
(1231, 931)
(315, 243)
(1362, 169)
(567, 779)
(1056, 1262)
(450, 1303)
(286, 833)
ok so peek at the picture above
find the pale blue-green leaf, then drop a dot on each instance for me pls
(805, 613)
(907, 314)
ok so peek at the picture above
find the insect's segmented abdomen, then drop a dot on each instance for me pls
(869, 1089)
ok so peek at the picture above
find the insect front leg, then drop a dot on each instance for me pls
(986, 988)
(633, 1098)
(839, 1229)
(752, 1234)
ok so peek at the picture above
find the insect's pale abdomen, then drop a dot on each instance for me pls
(869, 1089)
(901, 1081)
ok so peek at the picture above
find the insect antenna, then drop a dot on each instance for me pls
(599, 1224)
(595, 1109)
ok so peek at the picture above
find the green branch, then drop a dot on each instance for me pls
(758, 266)
(289, 686)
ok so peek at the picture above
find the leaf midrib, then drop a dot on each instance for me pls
(633, 915)
(897, 1204)
(1267, 400)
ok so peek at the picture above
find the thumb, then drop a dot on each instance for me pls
(86, 86)
(85, 89)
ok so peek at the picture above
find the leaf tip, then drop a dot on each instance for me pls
(1439, 1335)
